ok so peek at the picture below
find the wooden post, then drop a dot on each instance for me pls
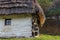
(35, 27)
(40, 13)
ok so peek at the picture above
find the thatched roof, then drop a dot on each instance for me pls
(16, 6)
(22, 6)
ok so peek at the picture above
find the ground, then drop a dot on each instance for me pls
(42, 37)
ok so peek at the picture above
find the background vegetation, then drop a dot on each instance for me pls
(50, 7)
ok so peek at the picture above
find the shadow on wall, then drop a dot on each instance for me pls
(51, 27)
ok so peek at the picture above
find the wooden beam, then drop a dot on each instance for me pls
(40, 13)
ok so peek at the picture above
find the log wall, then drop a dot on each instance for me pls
(51, 26)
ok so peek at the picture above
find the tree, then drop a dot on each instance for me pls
(45, 4)
(55, 8)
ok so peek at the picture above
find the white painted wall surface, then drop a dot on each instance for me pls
(19, 27)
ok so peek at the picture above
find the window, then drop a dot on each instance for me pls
(7, 21)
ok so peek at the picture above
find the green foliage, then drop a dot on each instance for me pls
(55, 11)
(45, 4)
(49, 37)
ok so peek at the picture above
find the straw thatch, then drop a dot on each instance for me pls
(16, 6)
(22, 6)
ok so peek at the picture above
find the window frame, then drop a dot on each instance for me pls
(7, 22)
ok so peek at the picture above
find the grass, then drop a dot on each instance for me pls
(42, 37)
(50, 37)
